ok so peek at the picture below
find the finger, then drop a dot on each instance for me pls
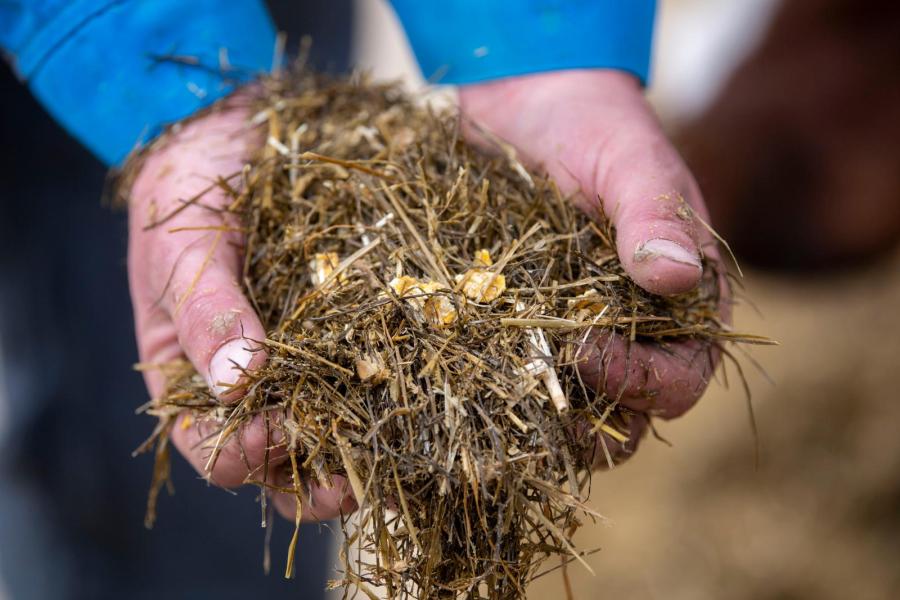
(216, 326)
(607, 451)
(317, 503)
(244, 456)
(203, 314)
(651, 199)
(595, 134)
(659, 378)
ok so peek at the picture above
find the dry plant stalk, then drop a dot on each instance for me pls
(425, 303)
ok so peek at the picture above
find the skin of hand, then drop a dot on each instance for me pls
(591, 130)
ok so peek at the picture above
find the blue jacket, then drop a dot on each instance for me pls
(115, 72)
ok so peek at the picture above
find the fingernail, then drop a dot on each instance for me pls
(227, 364)
(663, 248)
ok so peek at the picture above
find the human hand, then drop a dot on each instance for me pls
(184, 273)
(595, 134)
(592, 131)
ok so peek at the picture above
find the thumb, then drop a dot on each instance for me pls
(216, 326)
(595, 134)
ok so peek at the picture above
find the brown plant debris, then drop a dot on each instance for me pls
(425, 302)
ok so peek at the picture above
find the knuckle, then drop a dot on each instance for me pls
(664, 381)
(195, 312)
(203, 300)
(203, 320)
(666, 215)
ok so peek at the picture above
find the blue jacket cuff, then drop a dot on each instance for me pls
(465, 41)
(114, 73)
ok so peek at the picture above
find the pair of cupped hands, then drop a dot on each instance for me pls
(592, 131)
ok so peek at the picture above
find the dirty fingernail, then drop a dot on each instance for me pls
(227, 364)
(663, 248)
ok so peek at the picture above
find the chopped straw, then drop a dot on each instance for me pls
(425, 304)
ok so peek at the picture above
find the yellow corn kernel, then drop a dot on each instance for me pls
(483, 258)
(404, 284)
(438, 310)
(371, 369)
(586, 306)
(322, 266)
(481, 286)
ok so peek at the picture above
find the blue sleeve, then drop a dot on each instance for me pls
(103, 68)
(464, 41)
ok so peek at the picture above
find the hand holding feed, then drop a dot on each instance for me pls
(185, 266)
(595, 134)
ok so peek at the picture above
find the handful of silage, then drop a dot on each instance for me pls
(425, 304)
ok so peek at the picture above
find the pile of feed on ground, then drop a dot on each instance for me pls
(426, 303)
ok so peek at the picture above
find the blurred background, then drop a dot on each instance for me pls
(789, 113)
